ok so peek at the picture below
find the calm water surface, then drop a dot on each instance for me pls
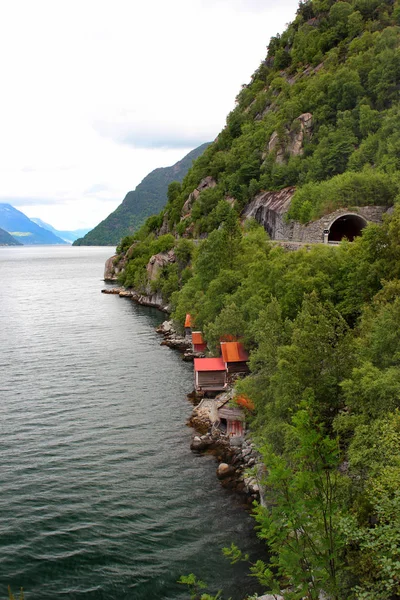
(100, 496)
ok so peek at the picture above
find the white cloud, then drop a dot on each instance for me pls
(101, 91)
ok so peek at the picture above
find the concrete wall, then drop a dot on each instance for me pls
(270, 208)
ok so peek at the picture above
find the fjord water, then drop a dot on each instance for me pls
(100, 496)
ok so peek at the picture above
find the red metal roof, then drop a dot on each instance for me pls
(197, 337)
(209, 364)
(188, 320)
(233, 352)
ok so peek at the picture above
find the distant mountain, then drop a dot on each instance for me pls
(149, 197)
(7, 240)
(23, 229)
(68, 236)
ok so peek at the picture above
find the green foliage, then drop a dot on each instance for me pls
(184, 251)
(321, 324)
(195, 585)
(348, 190)
(373, 551)
(300, 527)
(229, 321)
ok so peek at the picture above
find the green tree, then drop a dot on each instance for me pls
(299, 523)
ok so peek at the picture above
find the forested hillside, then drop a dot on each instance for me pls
(149, 197)
(322, 323)
(339, 63)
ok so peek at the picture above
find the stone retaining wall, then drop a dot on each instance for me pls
(270, 209)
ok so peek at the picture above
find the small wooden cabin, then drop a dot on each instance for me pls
(198, 343)
(235, 357)
(188, 324)
(209, 374)
(231, 421)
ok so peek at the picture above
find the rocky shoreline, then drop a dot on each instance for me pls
(154, 300)
(240, 467)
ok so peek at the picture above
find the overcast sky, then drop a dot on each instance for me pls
(95, 94)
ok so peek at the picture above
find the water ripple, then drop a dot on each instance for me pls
(101, 497)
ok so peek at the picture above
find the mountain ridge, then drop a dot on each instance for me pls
(67, 235)
(8, 240)
(147, 199)
(21, 227)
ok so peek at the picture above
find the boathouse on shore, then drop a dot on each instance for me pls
(235, 357)
(198, 343)
(188, 324)
(231, 421)
(209, 374)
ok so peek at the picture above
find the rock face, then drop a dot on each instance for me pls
(294, 139)
(164, 227)
(172, 339)
(297, 135)
(111, 270)
(154, 300)
(115, 265)
(207, 182)
(157, 262)
(269, 209)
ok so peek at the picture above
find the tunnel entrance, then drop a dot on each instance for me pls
(346, 226)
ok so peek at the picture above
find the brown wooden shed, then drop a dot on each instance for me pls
(210, 374)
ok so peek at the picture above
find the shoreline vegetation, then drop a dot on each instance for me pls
(312, 143)
(312, 146)
(314, 134)
(240, 467)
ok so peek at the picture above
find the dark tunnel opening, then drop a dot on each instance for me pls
(347, 226)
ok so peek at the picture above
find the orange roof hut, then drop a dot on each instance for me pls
(198, 342)
(235, 357)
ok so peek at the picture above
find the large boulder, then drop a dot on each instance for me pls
(224, 470)
(157, 262)
(113, 267)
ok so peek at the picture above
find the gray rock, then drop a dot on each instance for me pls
(224, 470)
